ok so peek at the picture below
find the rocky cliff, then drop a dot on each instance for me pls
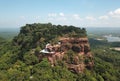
(74, 52)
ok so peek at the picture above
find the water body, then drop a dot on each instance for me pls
(112, 39)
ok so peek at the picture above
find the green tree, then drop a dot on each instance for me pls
(30, 59)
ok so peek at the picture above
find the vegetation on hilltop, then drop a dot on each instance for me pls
(33, 35)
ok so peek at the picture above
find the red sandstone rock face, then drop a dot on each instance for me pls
(82, 50)
(77, 68)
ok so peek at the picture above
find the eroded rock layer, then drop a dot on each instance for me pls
(74, 52)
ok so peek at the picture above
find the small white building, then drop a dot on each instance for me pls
(48, 49)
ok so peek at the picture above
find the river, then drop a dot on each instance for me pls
(112, 38)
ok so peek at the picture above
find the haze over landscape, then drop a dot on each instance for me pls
(81, 13)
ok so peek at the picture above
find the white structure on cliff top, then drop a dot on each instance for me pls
(48, 49)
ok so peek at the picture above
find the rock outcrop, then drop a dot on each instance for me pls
(77, 61)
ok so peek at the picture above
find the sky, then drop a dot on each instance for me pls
(81, 13)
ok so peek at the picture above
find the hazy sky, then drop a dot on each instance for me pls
(83, 13)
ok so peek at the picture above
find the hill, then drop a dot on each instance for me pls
(73, 39)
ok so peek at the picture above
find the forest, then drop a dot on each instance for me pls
(18, 63)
